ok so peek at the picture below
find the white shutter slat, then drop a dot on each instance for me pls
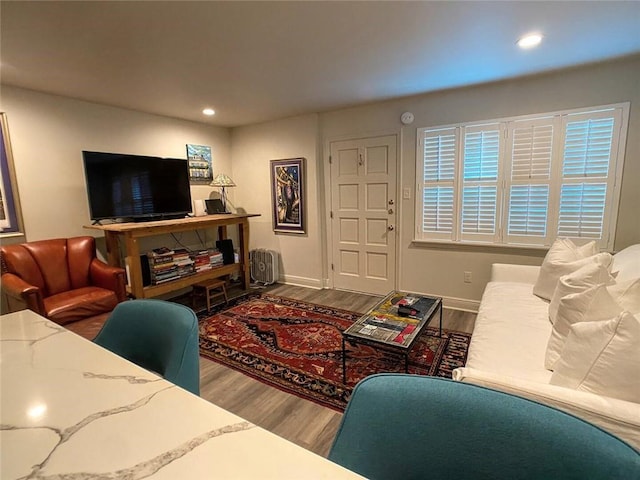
(479, 209)
(531, 152)
(437, 210)
(587, 149)
(528, 206)
(582, 210)
(481, 153)
(439, 156)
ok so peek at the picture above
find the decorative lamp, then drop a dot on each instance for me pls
(222, 180)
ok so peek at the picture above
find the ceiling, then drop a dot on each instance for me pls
(258, 61)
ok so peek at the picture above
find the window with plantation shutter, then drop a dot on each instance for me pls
(523, 181)
(528, 179)
(588, 143)
(480, 182)
(439, 152)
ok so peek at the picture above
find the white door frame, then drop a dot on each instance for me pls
(327, 250)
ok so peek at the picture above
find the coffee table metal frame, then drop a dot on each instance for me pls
(350, 336)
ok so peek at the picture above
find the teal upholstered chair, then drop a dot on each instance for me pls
(416, 427)
(156, 335)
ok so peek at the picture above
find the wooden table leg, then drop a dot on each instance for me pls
(243, 233)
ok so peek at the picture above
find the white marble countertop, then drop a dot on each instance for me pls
(70, 409)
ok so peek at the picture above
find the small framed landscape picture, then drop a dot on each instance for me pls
(200, 168)
(287, 192)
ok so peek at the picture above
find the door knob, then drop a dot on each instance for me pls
(390, 211)
(391, 202)
(390, 227)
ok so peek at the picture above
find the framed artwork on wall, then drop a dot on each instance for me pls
(200, 167)
(10, 212)
(287, 195)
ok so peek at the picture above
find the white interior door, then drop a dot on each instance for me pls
(363, 214)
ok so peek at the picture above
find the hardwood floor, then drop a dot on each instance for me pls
(300, 421)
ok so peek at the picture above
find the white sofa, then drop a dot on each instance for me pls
(507, 350)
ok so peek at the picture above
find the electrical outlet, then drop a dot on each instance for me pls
(406, 193)
(467, 277)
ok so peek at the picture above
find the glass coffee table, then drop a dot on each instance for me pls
(393, 325)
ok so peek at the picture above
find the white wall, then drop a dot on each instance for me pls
(252, 148)
(48, 134)
(439, 270)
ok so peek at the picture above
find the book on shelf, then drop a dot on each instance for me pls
(160, 252)
(166, 264)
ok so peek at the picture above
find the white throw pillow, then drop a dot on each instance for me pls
(626, 263)
(563, 258)
(585, 277)
(597, 303)
(603, 358)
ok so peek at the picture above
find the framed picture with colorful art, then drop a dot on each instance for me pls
(200, 168)
(10, 213)
(287, 193)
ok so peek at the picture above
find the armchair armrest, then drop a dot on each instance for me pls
(503, 272)
(15, 287)
(108, 277)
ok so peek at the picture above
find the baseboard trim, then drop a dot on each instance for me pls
(301, 281)
(461, 304)
(453, 303)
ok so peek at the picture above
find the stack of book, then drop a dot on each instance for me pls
(202, 260)
(183, 262)
(215, 258)
(166, 264)
(161, 265)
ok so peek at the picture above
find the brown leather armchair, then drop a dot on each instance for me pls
(62, 279)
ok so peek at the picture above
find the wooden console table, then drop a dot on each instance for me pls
(131, 232)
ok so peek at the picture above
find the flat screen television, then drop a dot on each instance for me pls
(136, 187)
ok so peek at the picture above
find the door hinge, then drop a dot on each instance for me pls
(331, 214)
(332, 266)
(330, 159)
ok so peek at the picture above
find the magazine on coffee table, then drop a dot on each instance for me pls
(395, 319)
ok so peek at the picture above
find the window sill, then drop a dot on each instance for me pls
(533, 250)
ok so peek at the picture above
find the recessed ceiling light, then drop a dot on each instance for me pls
(529, 41)
(209, 111)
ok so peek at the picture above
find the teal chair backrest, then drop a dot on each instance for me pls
(416, 427)
(157, 335)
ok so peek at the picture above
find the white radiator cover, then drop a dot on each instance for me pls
(264, 266)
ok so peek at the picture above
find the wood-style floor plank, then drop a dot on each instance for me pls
(300, 421)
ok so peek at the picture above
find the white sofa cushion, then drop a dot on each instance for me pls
(563, 258)
(582, 279)
(603, 358)
(508, 336)
(597, 303)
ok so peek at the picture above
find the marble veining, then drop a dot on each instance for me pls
(66, 434)
(71, 410)
(146, 468)
(128, 378)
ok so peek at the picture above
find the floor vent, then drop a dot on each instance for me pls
(264, 266)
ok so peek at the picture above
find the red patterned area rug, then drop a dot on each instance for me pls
(297, 347)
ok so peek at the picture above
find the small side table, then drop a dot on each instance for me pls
(210, 289)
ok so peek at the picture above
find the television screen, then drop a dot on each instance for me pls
(137, 187)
